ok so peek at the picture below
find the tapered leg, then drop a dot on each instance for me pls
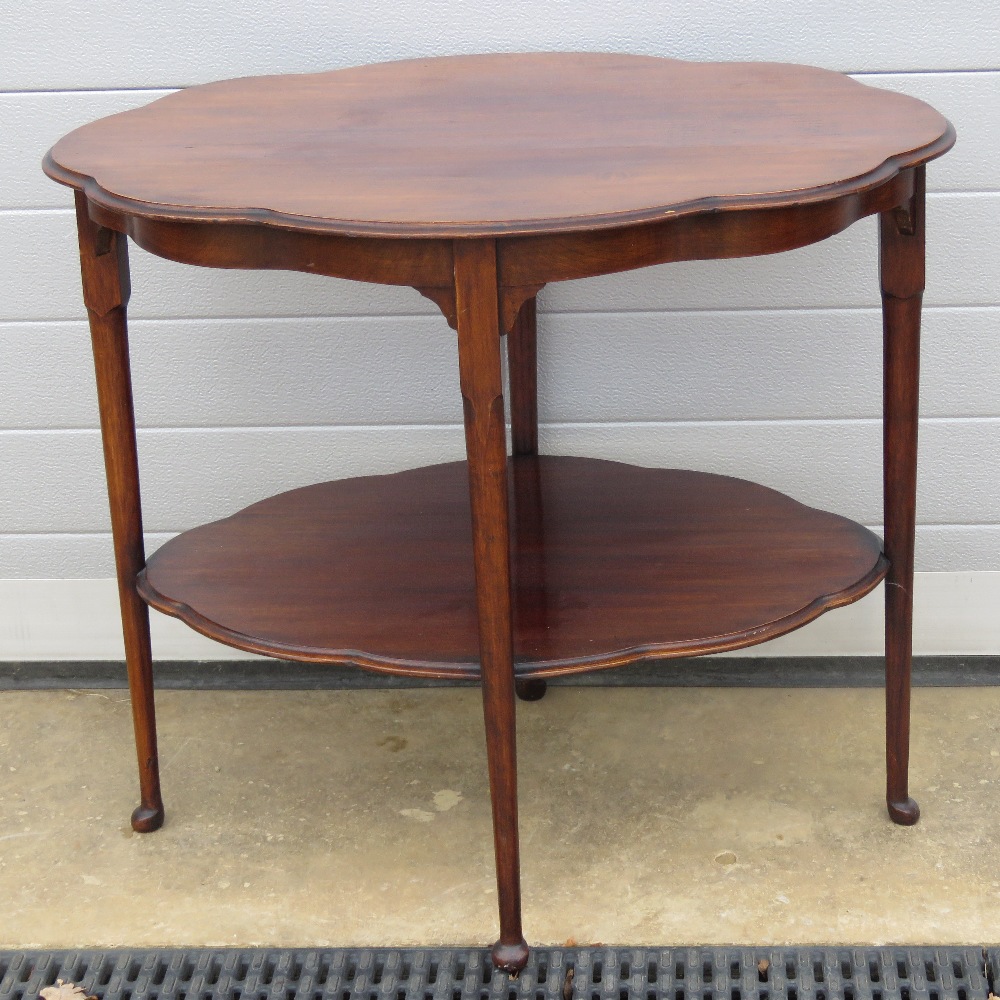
(104, 264)
(901, 246)
(522, 357)
(486, 446)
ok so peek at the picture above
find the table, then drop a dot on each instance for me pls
(478, 180)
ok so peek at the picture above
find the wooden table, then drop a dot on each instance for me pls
(478, 180)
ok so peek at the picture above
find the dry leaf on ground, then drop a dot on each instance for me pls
(567, 988)
(64, 991)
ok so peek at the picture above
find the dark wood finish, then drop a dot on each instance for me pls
(901, 266)
(421, 263)
(538, 259)
(526, 262)
(613, 564)
(522, 357)
(465, 145)
(104, 267)
(481, 380)
(477, 180)
(671, 195)
(531, 588)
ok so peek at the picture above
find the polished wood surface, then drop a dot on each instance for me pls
(485, 479)
(628, 562)
(901, 268)
(494, 144)
(477, 180)
(522, 360)
(106, 288)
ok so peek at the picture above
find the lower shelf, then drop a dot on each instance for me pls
(612, 563)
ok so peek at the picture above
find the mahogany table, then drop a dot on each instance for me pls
(478, 180)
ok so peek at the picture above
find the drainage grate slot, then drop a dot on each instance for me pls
(104, 975)
(468, 974)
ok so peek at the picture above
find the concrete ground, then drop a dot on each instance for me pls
(648, 816)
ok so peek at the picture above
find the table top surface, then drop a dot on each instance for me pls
(495, 144)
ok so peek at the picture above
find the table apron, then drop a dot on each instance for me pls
(536, 260)
(525, 263)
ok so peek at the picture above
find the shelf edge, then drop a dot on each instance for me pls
(542, 669)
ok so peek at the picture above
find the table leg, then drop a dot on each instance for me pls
(486, 446)
(522, 357)
(104, 264)
(901, 266)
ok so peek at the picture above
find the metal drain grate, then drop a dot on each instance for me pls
(551, 974)
(993, 970)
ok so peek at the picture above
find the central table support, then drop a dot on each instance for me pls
(481, 378)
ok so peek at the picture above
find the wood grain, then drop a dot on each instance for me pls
(635, 563)
(477, 179)
(105, 273)
(522, 358)
(495, 144)
(481, 380)
(901, 268)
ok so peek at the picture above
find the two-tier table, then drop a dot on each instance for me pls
(478, 180)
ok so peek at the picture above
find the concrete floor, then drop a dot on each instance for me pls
(648, 816)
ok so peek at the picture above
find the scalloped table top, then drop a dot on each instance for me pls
(493, 144)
